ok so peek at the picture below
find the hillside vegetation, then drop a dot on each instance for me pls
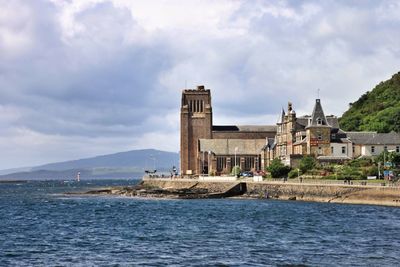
(378, 110)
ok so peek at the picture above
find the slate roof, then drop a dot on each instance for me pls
(244, 128)
(227, 146)
(302, 121)
(374, 138)
(318, 114)
(282, 117)
(333, 121)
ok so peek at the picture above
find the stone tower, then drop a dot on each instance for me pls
(196, 123)
(291, 129)
(318, 132)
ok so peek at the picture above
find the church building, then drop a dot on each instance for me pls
(208, 148)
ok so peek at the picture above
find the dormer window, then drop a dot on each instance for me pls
(319, 121)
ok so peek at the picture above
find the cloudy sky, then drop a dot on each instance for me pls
(83, 78)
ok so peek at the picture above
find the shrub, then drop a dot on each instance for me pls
(293, 173)
(307, 163)
(236, 170)
(278, 169)
(370, 171)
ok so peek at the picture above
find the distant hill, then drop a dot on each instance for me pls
(139, 159)
(377, 110)
(119, 165)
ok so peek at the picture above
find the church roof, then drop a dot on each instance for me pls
(244, 128)
(227, 146)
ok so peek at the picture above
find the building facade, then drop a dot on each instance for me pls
(208, 148)
(216, 149)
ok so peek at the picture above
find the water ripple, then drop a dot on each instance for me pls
(40, 226)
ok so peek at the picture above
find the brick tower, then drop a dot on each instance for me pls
(196, 123)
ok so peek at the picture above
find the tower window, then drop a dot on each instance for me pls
(319, 136)
(319, 121)
(343, 150)
(319, 150)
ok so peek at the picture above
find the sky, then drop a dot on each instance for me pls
(85, 78)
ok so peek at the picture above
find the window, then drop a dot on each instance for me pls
(385, 148)
(319, 121)
(319, 150)
(354, 149)
(221, 163)
(332, 150)
(319, 135)
(397, 149)
(372, 149)
(343, 150)
(190, 106)
(248, 163)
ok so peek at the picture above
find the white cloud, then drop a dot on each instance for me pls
(78, 78)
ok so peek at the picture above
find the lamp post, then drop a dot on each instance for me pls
(208, 159)
(202, 170)
(236, 149)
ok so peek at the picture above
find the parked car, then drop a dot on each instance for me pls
(247, 174)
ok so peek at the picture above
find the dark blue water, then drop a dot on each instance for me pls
(41, 226)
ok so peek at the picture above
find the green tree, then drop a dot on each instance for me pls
(278, 169)
(307, 163)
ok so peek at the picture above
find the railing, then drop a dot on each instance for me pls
(379, 183)
(376, 183)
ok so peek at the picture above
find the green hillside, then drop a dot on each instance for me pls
(378, 110)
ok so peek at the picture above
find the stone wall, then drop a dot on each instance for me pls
(353, 194)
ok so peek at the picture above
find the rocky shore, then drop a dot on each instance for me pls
(194, 189)
(177, 191)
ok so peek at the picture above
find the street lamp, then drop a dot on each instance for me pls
(202, 169)
(208, 160)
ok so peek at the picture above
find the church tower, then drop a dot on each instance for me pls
(196, 123)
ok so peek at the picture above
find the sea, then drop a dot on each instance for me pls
(40, 225)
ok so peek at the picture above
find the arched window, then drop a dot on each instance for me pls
(319, 121)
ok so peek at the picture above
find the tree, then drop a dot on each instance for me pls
(278, 169)
(307, 163)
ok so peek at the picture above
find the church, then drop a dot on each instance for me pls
(216, 149)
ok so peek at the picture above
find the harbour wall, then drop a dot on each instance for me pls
(354, 194)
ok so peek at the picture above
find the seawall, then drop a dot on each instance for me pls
(354, 194)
